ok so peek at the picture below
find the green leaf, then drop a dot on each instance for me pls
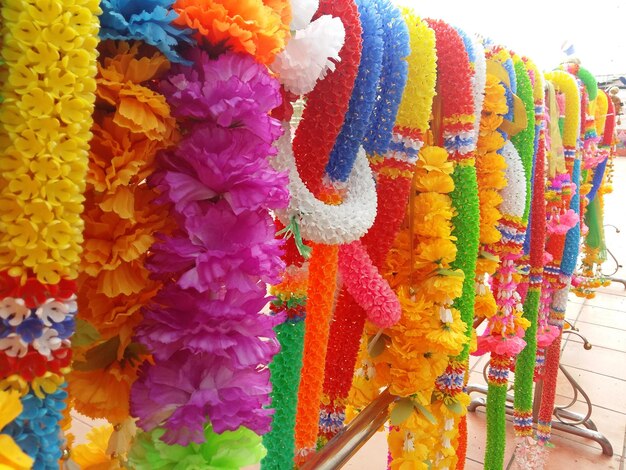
(85, 334)
(489, 256)
(100, 356)
(427, 414)
(401, 411)
(451, 272)
(455, 407)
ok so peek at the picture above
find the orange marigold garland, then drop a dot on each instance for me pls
(132, 123)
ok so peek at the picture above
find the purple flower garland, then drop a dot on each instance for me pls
(209, 339)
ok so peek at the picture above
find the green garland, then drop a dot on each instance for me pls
(525, 365)
(496, 437)
(524, 142)
(285, 373)
(229, 450)
(466, 230)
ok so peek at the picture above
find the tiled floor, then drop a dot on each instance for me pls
(601, 372)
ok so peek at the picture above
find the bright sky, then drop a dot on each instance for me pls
(538, 28)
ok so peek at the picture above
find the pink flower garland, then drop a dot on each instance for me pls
(209, 340)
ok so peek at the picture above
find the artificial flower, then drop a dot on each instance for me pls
(312, 49)
(145, 20)
(11, 456)
(248, 26)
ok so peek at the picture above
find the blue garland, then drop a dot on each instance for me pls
(392, 81)
(144, 20)
(363, 95)
(36, 430)
(596, 182)
(572, 239)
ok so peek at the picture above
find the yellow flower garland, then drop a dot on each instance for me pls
(490, 166)
(413, 119)
(44, 133)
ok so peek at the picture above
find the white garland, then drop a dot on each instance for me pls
(320, 222)
(307, 56)
(479, 80)
(514, 193)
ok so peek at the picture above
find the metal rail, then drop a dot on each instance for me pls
(344, 445)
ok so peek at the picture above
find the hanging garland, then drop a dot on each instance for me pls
(525, 364)
(450, 401)
(566, 83)
(395, 170)
(305, 58)
(364, 259)
(44, 128)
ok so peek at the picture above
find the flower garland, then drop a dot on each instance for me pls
(120, 220)
(44, 127)
(590, 276)
(143, 20)
(490, 168)
(525, 363)
(395, 171)
(11, 455)
(214, 265)
(360, 263)
(252, 27)
(566, 83)
(305, 60)
(459, 87)
(430, 329)
(285, 368)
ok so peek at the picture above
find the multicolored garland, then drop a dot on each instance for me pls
(460, 80)
(525, 363)
(566, 84)
(48, 95)
(350, 314)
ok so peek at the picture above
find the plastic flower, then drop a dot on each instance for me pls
(230, 91)
(219, 250)
(144, 20)
(312, 49)
(214, 163)
(11, 455)
(180, 393)
(249, 26)
(93, 455)
(103, 392)
(230, 449)
(232, 327)
(36, 429)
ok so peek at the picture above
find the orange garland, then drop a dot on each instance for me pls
(321, 290)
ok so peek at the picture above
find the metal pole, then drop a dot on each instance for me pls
(344, 445)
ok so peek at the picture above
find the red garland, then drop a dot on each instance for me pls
(327, 104)
(349, 319)
(458, 106)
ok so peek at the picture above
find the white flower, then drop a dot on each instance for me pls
(320, 222)
(54, 311)
(13, 345)
(14, 310)
(307, 56)
(49, 341)
(479, 79)
(514, 193)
